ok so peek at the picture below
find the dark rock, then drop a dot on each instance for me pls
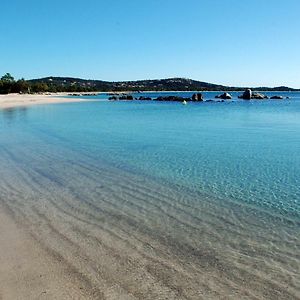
(126, 97)
(247, 95)
(145, 98)
(172, 98)
(224, 96)
(197, 97)
(259, 96)
(209, 100)
(277, 97)
(113, 98)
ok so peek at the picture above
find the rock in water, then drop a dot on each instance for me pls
(126, 97)
(113, 98)
(172, 98)
(277, 97)
(224, 96)
(197, 97)
(145, 98)
(247, 94)
(259, 96)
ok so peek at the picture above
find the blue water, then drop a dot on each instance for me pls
(241, 151)
(220, 177)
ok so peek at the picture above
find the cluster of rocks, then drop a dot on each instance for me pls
(113, 98)
(121, 97)
(197, 97)
(248, 95)
(279, 97)
(144, 98)
(225, 96)
(126, 97)
(172, 99)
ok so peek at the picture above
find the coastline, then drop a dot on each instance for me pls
(27, 270)
(75, 225)
(16, 100)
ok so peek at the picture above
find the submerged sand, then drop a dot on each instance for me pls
(78, 228)
(78, 233)
(28, 272)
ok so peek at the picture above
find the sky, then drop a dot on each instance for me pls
(230, 42)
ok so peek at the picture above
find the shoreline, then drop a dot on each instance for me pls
(17, 100)
(79, 225)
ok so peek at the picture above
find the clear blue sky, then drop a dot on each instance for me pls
(233, 42)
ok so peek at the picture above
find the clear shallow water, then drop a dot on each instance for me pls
(238, 150)
(209, 177)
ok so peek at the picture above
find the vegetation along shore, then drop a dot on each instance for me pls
(72, 85)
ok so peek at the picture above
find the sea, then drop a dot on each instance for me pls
(160, 200)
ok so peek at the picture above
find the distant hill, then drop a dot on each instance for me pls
(170, 84)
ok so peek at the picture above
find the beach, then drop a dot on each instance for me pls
(27, 270)
(150, 151)
(81, 217)
(17, 100)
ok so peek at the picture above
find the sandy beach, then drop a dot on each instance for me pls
(15, 100)
(27, 270)
(76, 223)
(145, 154)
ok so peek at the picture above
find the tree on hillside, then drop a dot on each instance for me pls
(7, 78)
(6, 83)
(20, 86)
(39, 87)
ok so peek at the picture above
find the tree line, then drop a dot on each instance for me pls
(8, 84)
(66, 84)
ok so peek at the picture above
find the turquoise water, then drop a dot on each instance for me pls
(240, 157)
(248, 152)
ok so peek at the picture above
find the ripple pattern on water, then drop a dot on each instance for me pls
(141, 211)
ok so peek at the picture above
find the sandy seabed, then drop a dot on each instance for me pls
(70, 230)
(27, 271)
